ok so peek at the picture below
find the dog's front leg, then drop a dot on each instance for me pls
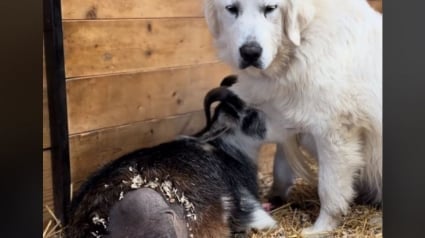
(339, 161)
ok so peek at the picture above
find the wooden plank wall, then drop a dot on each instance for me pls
(137, 71)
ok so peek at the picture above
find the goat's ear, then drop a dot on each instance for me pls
(229, 80)
(232, 107)
(253, 124)
(210, 14)
(235, 102)
(296, 16)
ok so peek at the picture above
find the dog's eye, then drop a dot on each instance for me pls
(269, 8)
(233, 9)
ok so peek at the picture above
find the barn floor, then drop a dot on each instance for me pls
(363, 221)
(303, 208)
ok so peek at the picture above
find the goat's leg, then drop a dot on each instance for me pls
(144, 213)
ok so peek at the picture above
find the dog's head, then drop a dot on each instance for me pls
(251, 33)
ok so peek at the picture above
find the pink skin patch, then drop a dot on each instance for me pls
(268, 207)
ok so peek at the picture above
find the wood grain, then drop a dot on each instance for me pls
(46, 127)
(89, 151)
(107, 101)
(116, 46)
(266, 158)
(47, 185)
(100, 9)
(113, 9)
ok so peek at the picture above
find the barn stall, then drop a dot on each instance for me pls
(120, 75)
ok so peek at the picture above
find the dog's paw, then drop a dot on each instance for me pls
(324, 224)
(312, 232)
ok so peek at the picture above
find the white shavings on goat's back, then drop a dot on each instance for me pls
(167, 190)
(99, 221)
(94, 234)
(152, 184)
(136, 182)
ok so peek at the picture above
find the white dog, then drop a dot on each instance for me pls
(315, 67)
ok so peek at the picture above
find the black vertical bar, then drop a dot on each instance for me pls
(56, 90)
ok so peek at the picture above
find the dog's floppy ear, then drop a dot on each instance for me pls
(210, 14)
(297, 15)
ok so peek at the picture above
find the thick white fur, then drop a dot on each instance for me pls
(322, 77)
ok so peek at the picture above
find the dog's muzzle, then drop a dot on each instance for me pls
(250, 53)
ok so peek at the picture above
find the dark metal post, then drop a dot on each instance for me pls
(56, 90)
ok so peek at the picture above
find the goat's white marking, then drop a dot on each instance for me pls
(261, 220)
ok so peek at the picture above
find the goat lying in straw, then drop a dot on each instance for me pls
(195, 186)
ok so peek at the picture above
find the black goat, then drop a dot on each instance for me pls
(195, 186)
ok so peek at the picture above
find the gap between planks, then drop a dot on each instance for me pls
(133, 18)
(144, 70)
(85, 133)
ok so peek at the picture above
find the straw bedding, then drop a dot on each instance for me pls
(300, 211)
(303, 208)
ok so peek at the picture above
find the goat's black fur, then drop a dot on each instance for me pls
(205, 168)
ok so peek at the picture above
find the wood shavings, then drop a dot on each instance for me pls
(167, 190)
(136, 182)
(172, 194)
(99, 221)
(95, 234)
(152, 184)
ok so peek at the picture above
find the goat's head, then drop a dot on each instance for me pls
(232, 116)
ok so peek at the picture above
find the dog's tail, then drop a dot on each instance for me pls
(301, 162)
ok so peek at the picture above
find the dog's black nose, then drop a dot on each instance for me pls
(250, 52)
